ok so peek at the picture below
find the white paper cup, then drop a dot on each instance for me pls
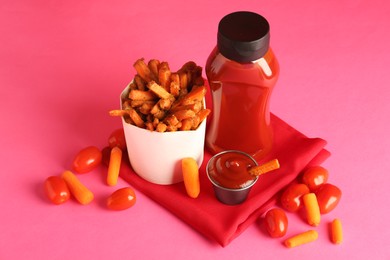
(156, 157)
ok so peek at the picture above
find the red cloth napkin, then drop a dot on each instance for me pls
(221, 222)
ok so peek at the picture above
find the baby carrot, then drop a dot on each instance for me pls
(190, 171)
(336, 230)
(263, 168)
(312, 209)
(78, 190)
(302, 238)
(114, 166)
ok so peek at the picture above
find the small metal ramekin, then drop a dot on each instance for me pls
(227, 195)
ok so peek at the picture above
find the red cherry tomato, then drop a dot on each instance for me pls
(87, 159)
(328, 196)
(276, 222)
(56, 190)
(106, 154)
(291, 198)
(314, 177)
(121, 199)
(117, 138)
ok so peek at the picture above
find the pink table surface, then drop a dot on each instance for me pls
(64, 63)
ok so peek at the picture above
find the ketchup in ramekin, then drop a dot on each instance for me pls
(228, 172)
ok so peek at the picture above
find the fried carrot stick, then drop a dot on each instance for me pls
(263, 168)
(78, 190)
(136, 94)
(117, 112)
(153, 65)
(196, 94)
(186, 124)
(184, 114)
(312, 209)
(139, 82)
(203, 114)
(136, 118)
(164, 75)
(144, 71)
(302, 238)
(159, 90)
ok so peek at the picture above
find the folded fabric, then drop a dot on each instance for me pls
(221, 222)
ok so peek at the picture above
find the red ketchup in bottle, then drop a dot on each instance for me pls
(242, 72)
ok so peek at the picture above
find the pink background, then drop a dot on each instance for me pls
(64, 63)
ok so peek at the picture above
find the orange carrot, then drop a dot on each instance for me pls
(336, 231)
(312, 209)
(114, 166)
(77, 189)
(266, 167)
(191, 176)
(302, 238)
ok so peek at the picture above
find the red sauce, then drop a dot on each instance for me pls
(230, 170)
(241, 91)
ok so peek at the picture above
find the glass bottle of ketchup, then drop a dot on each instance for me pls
(242, 72)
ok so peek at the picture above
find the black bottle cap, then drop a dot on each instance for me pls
(243, 36)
